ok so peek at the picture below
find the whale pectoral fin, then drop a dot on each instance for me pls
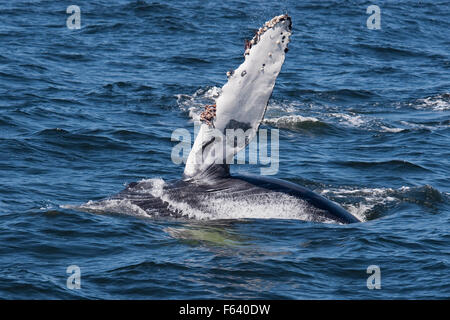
(240, 108)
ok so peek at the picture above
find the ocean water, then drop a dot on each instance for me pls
(363, 118)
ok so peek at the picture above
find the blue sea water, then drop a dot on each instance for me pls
(364, 119)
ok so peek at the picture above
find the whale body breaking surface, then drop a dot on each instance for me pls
(207, 190)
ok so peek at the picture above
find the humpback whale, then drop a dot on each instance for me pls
(207, 185)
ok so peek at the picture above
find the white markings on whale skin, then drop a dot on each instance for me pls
(120, 206)
(217, 205)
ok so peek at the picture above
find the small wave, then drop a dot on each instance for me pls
(392, 164)
(33, 66)
(348, 93)
(350, 120)
(439, 102)
(362, 202)
(53, 132)
(111, 90)
(426, 126)
(294, 122)
(7, 122)
(285, 115)
(412, 126)
(81, 141)
(370, 203)
(124, 85)
(70, 56)
(118, 84)
(391, 51)
(277, 108)
(143, 6)
(12, 76)
(189, 61)
(392, 130)
(194, 104)
(103, 28)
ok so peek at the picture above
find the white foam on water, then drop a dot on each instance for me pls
(350, 120)
(285, 115)
(393, 130)
(46, 206)
(288, 120)
(194, 104)
(419, 126)
(365, 199)
(275, 107)
(366, 191)
(436, 103)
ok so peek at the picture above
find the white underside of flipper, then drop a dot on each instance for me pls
(243, 100)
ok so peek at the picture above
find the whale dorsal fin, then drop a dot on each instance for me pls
(242, 103)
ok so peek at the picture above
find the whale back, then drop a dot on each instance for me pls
(229, 198)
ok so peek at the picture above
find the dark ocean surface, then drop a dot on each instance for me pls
(364, 119)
